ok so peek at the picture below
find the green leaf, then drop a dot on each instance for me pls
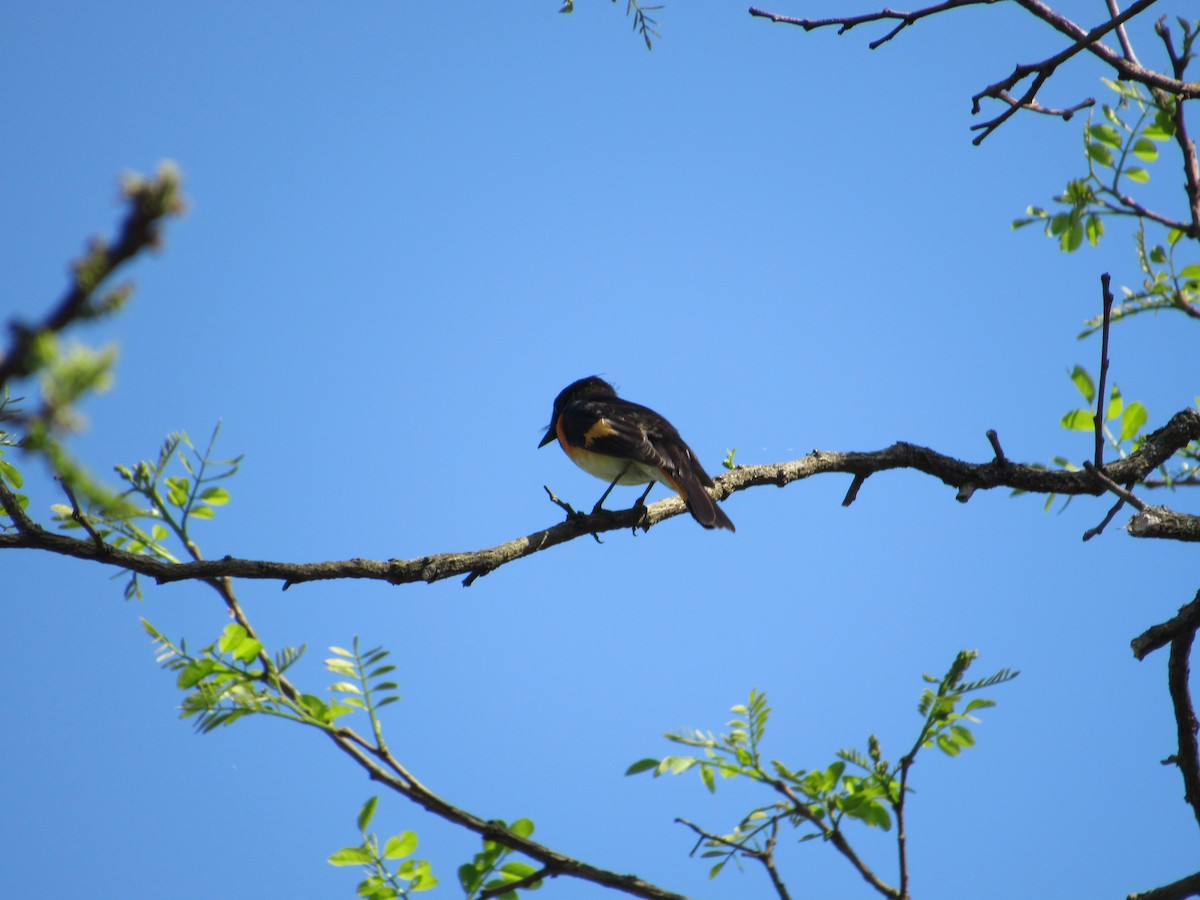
(1116, 405)
(1105, 134)
(706, 775)
(215, 496)
(1145, 149)
(642, 765)
(1072, 238)
(10, 474)
(1158, 255)
(1187, 273)
(1132, 420)
(367, 813)
(515, 871)
(469, 877)
(202, 512)
(1141, 176)
(522, 828)
(351, 856)
(1079, 420)
(247, 650)
(233, 635)
(1101, 153)
(400, 845)
(1094, 229)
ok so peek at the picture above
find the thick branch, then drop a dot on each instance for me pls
(1179, 890)
(1188, 755)
(1159, 636)
(1158, 447)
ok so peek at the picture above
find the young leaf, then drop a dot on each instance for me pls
(351, 856)
(1079, 420)
(1132, 420)
(400, 845)
(367, 813)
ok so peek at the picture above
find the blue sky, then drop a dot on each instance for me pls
(410, 225)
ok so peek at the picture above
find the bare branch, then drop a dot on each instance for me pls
(1159, 636)
(1160, 522)
(1124, 63)
(1188, 756)
(1105, 287)
(1187, 148)
(845, 23)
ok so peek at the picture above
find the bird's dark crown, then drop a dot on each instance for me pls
(592, 386)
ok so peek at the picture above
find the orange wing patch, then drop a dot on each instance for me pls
(600, 429)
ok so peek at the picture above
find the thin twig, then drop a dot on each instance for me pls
(1191, 163)
(1105, 284)
(79, 517)
(1126, 47)
(1113, 488)
(1104, 523)
(1066, 113)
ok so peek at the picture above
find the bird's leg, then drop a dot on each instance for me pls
(641, 504)
(641, 501)
(600, 503)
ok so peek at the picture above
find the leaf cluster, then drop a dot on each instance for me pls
(157, 506)
(381, 882)
(816, 802)
(1118, 152)
(492, 872)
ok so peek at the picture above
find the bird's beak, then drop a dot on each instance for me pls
(550, 436)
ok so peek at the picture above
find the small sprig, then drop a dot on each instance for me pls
(817, 802)
(380, 882)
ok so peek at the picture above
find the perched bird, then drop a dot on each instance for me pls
(625, 443)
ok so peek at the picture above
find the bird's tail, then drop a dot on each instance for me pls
(701, 505)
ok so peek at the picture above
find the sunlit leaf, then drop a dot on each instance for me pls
(400, 846)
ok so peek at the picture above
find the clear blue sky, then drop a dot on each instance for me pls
(410, 225)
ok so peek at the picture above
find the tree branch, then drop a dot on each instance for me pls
(1179, 890)
(1124, 63)
(150, 201)
(1188, 756)
(1159, 636)
(1158, 447)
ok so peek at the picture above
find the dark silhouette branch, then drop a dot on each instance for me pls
(1124, 62)
(1101, 405)
(1158, 636)
(1187, 758)
(1178, 890)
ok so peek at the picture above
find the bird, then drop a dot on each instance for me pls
(626, 443)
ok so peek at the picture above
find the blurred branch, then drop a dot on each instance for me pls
(1158, 447)
(1179, 890)
(150, 201)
